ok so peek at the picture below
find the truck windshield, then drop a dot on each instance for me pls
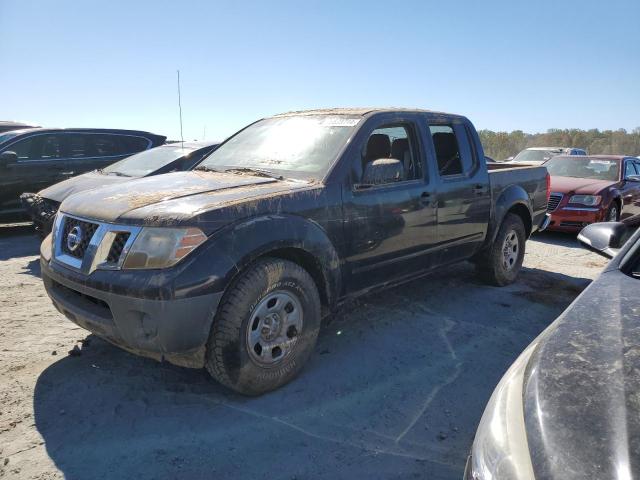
(144, 163)
(536, 155)
(297, 146)
(583, 167)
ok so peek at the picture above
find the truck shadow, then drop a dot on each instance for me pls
(396, 387)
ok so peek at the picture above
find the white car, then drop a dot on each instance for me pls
(539, 155)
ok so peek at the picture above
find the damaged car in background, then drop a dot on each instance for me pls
(231, 266)
(173, 157)
(35, 158)
(569, 407)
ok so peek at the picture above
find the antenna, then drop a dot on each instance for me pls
(180, 108)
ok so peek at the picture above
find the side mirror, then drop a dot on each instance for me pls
(605, 238)
(8, 157)
(381, 172)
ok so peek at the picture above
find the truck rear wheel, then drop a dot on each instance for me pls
(502, 262)
(265, 328)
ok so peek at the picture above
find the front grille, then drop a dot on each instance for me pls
(84, 232)
(117, 246)
(88, 245)
(554, 201)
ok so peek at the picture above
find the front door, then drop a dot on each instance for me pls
(390, 228)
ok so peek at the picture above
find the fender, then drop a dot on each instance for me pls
(511, 196)
(238, 245)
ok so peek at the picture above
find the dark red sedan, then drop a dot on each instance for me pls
(596, 188)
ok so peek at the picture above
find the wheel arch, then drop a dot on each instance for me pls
(287, 237)
(514, 199)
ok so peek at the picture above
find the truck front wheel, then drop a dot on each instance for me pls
(502, 262)
(265, 329)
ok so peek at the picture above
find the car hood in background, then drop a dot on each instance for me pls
(87, 181)
(582, 386)
(173, 199)
(585, 186)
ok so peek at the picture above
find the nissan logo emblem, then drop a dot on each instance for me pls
(74, 238)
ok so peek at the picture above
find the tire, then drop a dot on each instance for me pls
(613, 214)
(273, 305)
(500, 264)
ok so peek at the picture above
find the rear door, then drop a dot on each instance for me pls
(464, 196)
(390, 229)
(630, 190)
(40, 161)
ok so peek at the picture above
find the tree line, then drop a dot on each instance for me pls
(502, 145)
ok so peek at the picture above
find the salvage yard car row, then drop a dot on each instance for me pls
(265, 235)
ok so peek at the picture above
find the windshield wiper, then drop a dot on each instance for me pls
(256, 171)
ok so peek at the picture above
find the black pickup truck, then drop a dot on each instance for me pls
(233, 265)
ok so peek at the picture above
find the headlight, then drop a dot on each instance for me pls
(157, 247)
(589, 200)
(500, 450)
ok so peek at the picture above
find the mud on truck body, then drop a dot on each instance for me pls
(232, 266)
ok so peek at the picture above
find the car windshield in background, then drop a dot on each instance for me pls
(7, 136)
(144, 163)
(582, 167)
(536, 155)
(298, 146)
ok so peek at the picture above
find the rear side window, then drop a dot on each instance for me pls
(133, 144)
(38, 147)
(78, 146)
(453, 153)
(104, 146)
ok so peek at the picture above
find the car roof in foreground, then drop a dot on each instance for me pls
(360, 112)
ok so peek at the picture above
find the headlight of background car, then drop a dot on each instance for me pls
(157, 247)
(500, 450)
(590, 200)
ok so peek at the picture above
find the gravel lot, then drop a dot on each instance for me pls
(395, 389)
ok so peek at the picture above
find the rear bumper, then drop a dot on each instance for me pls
(570, 219)
(163, 328)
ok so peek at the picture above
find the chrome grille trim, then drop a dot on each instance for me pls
(97, 252)
(554, 201)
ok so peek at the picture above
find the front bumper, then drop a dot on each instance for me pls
(574, 219)
(146, 319)
(41, 210)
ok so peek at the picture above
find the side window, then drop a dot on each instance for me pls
(132, 145)
(38, 147)
(78, 146)
(452, 148)
(394, 142)
(630, 168)
(104, 145)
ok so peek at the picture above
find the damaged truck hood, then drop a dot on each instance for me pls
(87, 181)
(582, 387)
(174, 199)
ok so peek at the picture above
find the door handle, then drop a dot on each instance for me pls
(479, 189)
(425, 198)
(67, 173)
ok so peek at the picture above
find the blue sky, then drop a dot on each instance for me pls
(505, 64)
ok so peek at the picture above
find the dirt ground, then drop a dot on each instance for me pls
(395, 388)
